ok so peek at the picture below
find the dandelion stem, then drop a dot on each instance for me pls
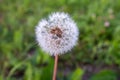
(55, 67)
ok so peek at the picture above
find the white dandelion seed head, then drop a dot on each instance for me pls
(57, 34)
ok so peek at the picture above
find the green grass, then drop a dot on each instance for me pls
(22, 59)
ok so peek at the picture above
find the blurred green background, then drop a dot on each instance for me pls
(96, 56)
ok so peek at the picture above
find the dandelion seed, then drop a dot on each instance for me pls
(57, 34)
(107, 24)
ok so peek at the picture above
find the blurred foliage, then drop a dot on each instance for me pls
(105, 75)
(77, 74)
(22, 59)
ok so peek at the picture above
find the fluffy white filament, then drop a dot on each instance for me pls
(57, 34)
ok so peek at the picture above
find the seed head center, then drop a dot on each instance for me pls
(56, 31)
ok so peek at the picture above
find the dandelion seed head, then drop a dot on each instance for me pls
(57, 34)
(107, 24)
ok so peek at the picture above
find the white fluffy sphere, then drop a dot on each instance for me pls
(57, 34)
